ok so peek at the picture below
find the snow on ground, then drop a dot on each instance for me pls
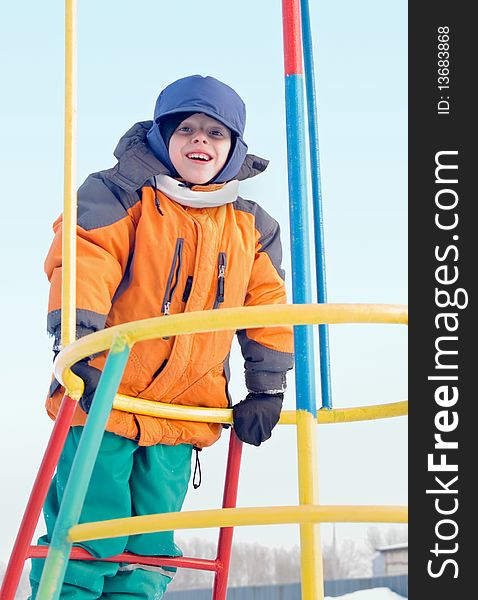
(373, 594)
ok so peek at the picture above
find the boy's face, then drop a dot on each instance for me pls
(199, 148)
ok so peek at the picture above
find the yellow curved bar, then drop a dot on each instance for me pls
(68, 286)
(221, 320)
(172, 411)
(224, 415)
(235, 517)
(363, 413)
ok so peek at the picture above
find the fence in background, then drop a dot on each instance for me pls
(291, 591)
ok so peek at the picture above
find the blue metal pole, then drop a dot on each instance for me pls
(300, 241)
(75, 491)
(312, 116)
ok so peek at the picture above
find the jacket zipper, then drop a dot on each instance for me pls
(221, 272)
(173, 273)
(160, 369)
(187, 288)
(138, 427)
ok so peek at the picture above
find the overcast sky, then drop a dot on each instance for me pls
(129, 51)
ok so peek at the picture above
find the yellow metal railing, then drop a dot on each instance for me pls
(288, 417)
(236, 517)
(223, 320)
(68, 289)
(307, 513)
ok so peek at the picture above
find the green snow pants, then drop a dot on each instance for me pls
(127, 480)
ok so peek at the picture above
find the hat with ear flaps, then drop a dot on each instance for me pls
(169, 124)
(197, 94)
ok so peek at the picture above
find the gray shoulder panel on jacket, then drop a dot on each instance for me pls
(136, 162)
(269, 230)
(101, 202)
(106, 196)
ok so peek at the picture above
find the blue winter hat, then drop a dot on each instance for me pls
(207, 95)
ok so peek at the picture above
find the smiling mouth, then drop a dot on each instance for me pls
(200, 156)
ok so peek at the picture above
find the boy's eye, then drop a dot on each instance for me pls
(185, 128)
(216, 132)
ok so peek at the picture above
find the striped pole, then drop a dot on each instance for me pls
(81, 470)
(312, 118)
(311, 559)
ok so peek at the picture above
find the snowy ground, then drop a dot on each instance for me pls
(374, 594)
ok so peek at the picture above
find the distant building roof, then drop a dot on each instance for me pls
(390, 560)
(401, 546)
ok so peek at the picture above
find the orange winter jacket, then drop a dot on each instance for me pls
(141, 255)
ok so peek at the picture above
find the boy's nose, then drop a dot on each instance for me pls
(199, 136)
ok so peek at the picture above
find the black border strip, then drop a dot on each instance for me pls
(442, 349)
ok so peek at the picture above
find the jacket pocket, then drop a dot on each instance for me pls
(221, 277)
(173, 278)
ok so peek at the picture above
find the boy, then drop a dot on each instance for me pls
(164, 232)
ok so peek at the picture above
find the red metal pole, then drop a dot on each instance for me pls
(77, 553)
(224, 547)
(37, 499)
(23, 550)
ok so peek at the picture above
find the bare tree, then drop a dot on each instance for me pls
(345, 560)
(254, 564)
(287, 565)
(189, 579)
(251, 564)
(379, 537)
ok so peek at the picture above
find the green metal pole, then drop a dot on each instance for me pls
(75, 491)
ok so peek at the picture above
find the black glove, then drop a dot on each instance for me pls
(91, 377)
(256, 416)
